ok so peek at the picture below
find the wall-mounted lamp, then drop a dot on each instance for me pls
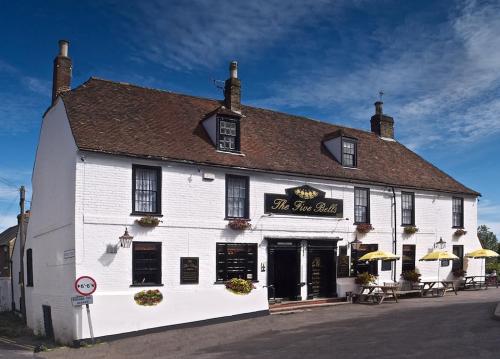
(356, 243)
(440, 244)
(126, 239)
(262, 267)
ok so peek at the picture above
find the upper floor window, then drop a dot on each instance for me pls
(228, 134)
(349, 155)
(408, 209)
(146, 189)
(361, 205)
(458, 212)
(237, 201)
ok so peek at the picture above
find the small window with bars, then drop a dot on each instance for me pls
(349, 157)
(458, 212)
(228, 135)
(361, 205)
(236, 260)
(237, 193)
(146, 266)
(407, 209)
(146, 188)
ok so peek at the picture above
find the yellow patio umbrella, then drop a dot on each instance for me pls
(439, 256)
(482, 254)
(378, 256)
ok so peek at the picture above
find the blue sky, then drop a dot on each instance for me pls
(437, 62)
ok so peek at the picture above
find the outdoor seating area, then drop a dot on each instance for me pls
(480, 282)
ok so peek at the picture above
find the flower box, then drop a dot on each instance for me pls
(411, 276)
(148, 297)
(460, 232)
(148, 221)
(410, 230)
(239, 224)
(365, 279)
(239, 286)
(364, 228)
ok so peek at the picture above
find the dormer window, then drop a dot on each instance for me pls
(349, 155)
(228, 132)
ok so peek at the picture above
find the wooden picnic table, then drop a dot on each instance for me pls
(377, 293)
(478, 281)
(428, 286)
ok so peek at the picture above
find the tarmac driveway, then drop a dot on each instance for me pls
(442, 327)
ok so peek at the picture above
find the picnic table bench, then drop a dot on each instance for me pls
(432, 286)
(480, 281)
(377, 294)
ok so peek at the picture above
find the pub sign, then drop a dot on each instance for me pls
(303, 201)
(190, 270)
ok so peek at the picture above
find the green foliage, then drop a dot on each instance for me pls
(494, 265)
(365, 278)
(12, 326)
(148, 297)
(487, 237)
(364, 228)
(411, 276)
(459, 273)
(410, 230)
(148, 221)
(239, 286)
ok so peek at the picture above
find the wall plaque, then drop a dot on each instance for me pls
(190, 270)
(343, 266)
(303, 201)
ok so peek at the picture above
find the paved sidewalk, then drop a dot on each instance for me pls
(446, 327)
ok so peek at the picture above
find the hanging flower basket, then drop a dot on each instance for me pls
(459, 273)
(364, 228)
(239, 286)
(460, 232)
(148, 297)
(148, 221)
(410, 230)
(411, 276)
(239, 224)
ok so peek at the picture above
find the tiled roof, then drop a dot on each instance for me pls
(8, 235)
(124, 119)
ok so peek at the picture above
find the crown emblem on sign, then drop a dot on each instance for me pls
(306, 193)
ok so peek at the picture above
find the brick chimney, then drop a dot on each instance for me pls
(62, 71)
(232, 89)
(382, 125)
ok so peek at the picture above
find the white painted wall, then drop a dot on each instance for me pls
(51, 227)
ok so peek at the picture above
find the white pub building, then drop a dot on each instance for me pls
(212, 190)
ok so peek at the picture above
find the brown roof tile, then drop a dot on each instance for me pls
(129, 120)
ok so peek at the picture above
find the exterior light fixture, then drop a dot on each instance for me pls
(356, 243)
(440, 244)
(126, 239)
(262, 267)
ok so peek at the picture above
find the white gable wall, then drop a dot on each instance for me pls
(51, 228)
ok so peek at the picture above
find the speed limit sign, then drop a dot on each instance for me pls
(85, 285)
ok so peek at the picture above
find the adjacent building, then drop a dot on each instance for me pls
(239, 192)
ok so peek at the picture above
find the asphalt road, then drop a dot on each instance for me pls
(8, 350)
(450, 327)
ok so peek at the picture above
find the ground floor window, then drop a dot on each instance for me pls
(236, 260)
(386, 265)
(358, 267)
(408, 258)
(146, 263)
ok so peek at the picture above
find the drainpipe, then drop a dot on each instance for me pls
(394, 239)
(13, 303)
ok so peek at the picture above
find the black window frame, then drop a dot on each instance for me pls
(368, 219)
(160, 272)
(355, 154)
(412, 194)
(158, 170)
(358, 253)
(237, 141)
(247, 197)
(221, 265)
(461, 199)
(458, 264)
(29, 267)
(408, 265)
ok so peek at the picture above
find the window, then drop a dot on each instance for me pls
(349, 157)
(408, 258)
(237, 196)
(361, 205)
(146, 190)
(408, 209)
(358, 267)
(458, 264)
(458, 212)
(228, 134)
(386, 265)
(236, 260)
(146, 263)
(29, 268)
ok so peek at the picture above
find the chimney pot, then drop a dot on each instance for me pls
(63, 48)
(381, 124)
(378, 107)
(232, 89)
(233, 70)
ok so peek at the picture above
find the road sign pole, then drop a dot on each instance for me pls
(90, 324)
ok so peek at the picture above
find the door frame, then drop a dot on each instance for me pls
(274, 245)
(322, 245)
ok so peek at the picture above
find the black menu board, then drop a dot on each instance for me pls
(343, 267)
(190, 270)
